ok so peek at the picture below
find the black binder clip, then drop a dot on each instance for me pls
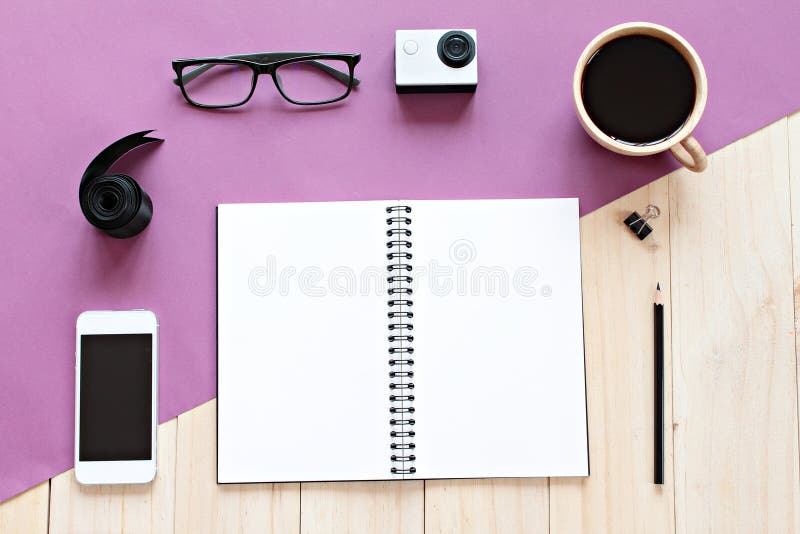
(639, 223)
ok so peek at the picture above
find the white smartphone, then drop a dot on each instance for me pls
(116, 397)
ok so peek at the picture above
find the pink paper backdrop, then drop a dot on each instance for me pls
(78, 75)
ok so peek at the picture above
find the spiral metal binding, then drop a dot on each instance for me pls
(401, 374)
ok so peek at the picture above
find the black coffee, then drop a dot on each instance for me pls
(638, 89)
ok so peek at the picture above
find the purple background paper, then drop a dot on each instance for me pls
(78, 75)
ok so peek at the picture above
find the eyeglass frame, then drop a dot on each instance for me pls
(268, 63)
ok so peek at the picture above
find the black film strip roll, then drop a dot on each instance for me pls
(116, 203)
(401, 337)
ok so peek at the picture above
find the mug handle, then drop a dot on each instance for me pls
(690, 154)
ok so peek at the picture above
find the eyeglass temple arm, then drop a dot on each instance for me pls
(268, 58)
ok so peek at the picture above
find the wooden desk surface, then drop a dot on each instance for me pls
(727, 253)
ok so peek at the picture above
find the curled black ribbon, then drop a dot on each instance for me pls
(116, 203)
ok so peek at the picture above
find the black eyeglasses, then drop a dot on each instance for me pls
(303, 78)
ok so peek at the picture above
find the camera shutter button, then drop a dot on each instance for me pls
(410, 47)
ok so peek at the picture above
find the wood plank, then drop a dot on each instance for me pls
(734, 372)
(26, 512)
(483, 506)
(794, 182)
(201, 505)
(118, 508)
(620, 273)
(356, 507)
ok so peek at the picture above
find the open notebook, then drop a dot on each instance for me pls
(400, 340)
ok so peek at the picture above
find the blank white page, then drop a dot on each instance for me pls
(302, 352)
(498, 339)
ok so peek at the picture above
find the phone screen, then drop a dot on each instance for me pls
(116, 397)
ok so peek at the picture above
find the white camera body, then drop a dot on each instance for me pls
(436, 61)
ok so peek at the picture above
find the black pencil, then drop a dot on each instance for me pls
(658, 390)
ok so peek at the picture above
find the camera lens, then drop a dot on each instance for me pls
(456, 49)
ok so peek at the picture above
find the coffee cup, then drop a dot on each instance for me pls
(640, 89)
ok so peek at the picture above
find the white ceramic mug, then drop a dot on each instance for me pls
(683, 146)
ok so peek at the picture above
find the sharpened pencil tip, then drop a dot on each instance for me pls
(659, 296)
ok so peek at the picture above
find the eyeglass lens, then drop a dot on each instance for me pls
(314, 81)
(218, 84)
